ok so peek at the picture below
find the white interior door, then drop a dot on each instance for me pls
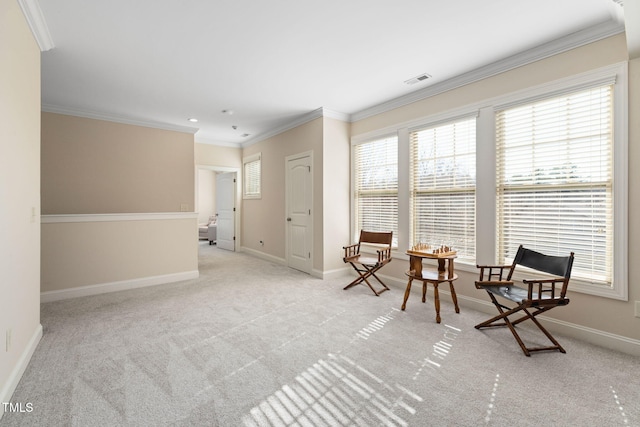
(299, 210)
(226, 210)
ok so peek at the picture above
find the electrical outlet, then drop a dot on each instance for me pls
(637, 308)
(8, 340)
(184, 207)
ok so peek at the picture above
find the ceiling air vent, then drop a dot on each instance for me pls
(422, 77)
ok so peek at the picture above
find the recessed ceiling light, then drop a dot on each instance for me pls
(192, 120)
(244, 135)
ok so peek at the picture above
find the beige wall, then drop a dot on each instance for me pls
(589, 57)
(336, 178)
(264, 219)
(586, 311)
(19, 195)
(214, 155)
(93, 171)
(111, 251)
(206, 203)
(96, 166)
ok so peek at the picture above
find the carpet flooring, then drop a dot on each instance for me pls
(252, 343)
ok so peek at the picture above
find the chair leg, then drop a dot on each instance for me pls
(372, 273)
(363, 275)
(511, 325)
(357, 280)
(556, 346)
(517, 337)
(504, 316)
(369, 284)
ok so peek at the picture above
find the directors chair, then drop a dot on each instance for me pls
(536, 297)
(366, 265)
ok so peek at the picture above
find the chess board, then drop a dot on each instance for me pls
(429, 253)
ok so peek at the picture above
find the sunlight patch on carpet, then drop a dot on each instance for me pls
(440, 351)
(376, 325)
(620, 407)
(492, 400)
(335, 391)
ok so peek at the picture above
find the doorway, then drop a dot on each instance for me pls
(216, 198)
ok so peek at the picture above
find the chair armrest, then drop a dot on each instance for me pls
(384, 255)
(494, 271)
(492, 266)
(548, 281)
(549, 289)
(481, 283)
(350, 251)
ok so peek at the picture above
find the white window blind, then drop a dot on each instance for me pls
(443, 181)
(555, 179)
(252, 177)
(376, 186)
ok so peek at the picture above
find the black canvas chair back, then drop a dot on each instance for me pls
(555, 265)
(366, 264)
(533, 298)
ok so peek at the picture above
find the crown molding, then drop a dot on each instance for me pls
(300, 120)
(35, 19)
(48, 108)
(632, 25)
(336, 115)
(571, 41)
(199, 140)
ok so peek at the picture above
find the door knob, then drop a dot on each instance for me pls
(289, 219)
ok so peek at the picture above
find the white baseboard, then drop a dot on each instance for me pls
(16, 374)
(332, 274)
(282, 261)
(103, 288)
(264, 256)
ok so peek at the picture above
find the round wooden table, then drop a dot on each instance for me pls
(444, 273)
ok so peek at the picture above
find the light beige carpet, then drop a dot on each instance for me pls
(251, 343)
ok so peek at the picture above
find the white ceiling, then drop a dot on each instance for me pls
(274, 61)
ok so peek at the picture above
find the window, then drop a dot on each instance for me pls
(251, 177)
(546, 167)
(555, 180)
(443, 180)
(376, 186)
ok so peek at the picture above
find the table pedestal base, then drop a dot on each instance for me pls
(444, 273)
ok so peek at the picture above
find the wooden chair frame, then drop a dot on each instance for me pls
(366, 265)
(537, 297)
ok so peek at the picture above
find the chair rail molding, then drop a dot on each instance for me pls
(72, 218)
